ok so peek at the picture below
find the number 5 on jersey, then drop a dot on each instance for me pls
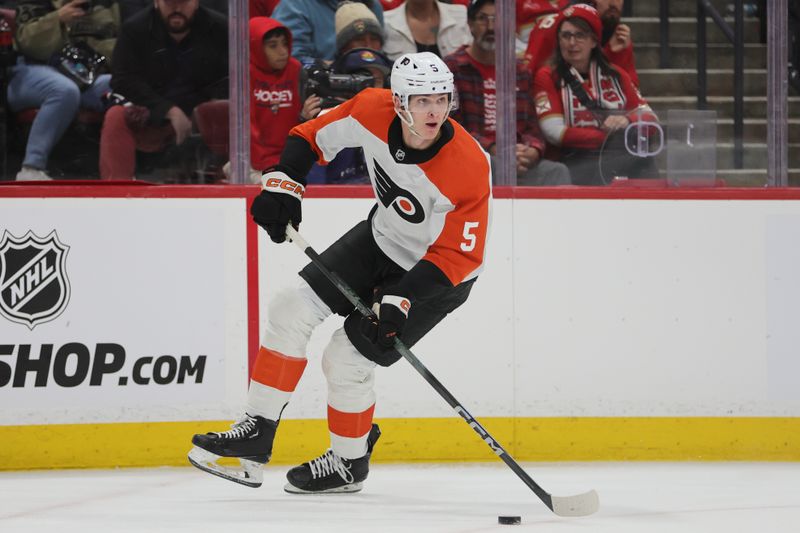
(469, 237)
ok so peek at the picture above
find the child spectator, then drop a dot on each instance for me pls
(275, 100)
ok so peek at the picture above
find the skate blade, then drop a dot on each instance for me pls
(249, 475)
(352, 487)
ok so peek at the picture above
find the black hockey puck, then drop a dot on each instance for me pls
(509, 520)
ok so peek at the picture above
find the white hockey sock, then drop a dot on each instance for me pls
(293, 315)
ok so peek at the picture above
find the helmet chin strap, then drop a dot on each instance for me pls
(408, 121)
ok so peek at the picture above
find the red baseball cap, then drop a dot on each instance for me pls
(585, 12)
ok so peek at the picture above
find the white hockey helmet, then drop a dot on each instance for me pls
(421, 73)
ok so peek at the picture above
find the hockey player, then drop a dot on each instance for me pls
(415, 258)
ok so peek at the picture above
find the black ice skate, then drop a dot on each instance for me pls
(249, 440)
(331, 473)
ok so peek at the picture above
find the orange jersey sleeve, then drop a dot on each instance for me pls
(461, 173)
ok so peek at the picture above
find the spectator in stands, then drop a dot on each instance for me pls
(276, 105)
(44, 30)
(262, 8)
(425, 26)
(169, 58)
(584, 104)
(391, 4)
(312, 25)
(794, 44)
(358, 38)
(474, 75)
(528, 13)
(616, 43)
(128, 8)
(356, 27)
(220, 6)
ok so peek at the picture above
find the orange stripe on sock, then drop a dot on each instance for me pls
(351, 425)
(278, 371)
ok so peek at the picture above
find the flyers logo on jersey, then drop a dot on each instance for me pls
(390, 194)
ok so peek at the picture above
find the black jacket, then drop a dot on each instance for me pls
(151, 70)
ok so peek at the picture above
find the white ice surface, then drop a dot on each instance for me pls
(634, 497)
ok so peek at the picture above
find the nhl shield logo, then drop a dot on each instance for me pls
(34, 287)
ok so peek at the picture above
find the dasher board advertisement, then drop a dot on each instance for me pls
(122, 309)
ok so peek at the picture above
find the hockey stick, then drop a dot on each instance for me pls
(578, 505)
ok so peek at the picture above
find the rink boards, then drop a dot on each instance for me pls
(608, 325)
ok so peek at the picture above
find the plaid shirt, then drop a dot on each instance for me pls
(470, 112)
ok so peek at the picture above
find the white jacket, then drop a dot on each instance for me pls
(453, 30)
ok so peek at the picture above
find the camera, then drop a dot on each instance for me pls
(335, 88)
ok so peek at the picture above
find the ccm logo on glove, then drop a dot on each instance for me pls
(279, 182)
(278, 204)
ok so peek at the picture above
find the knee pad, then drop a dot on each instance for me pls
(350, 376)
(292, 316)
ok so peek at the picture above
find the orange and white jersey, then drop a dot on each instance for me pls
(433, 204)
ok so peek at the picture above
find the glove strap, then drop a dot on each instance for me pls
(278, 182)
(398, 301)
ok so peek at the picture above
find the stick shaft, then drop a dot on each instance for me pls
(484, 435)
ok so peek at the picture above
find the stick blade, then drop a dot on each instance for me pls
(578, 505)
